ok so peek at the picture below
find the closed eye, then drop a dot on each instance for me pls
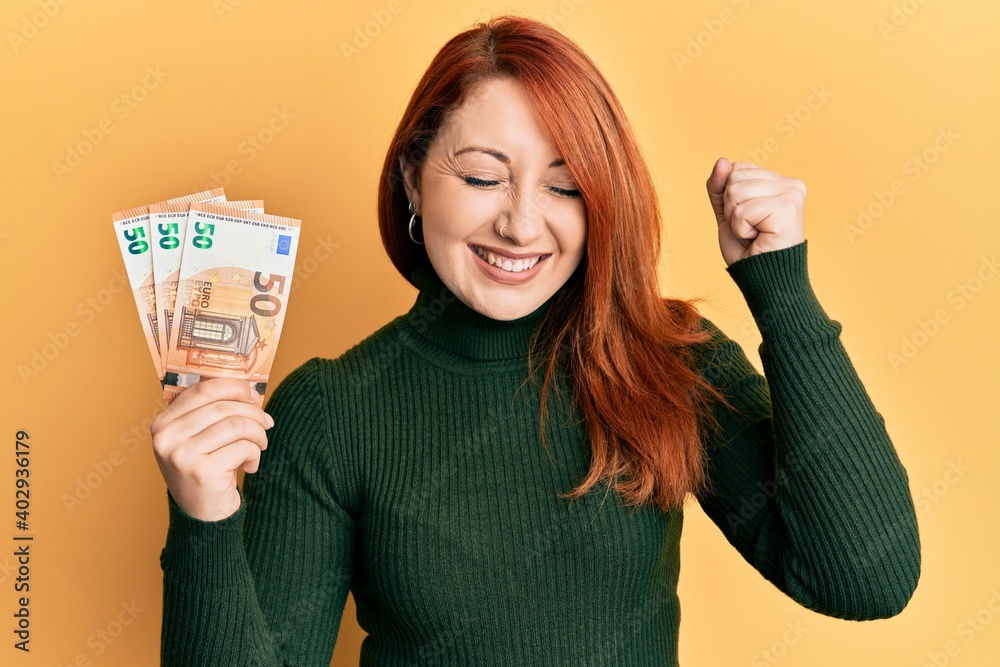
(471, 180)
(567, 193)
(478, 182)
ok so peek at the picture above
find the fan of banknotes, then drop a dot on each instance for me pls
(211, 280)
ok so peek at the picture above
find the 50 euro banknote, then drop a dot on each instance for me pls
(133, 232)
(232, 295)
(168, 223)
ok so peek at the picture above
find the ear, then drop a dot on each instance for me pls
(411, 181)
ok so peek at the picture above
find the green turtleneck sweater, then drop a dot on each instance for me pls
(410, 471)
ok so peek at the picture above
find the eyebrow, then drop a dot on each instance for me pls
(558, 162)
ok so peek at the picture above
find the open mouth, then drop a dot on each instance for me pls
(506, 263)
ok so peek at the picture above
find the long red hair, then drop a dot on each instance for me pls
(626, 350)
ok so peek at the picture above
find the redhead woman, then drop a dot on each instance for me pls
(498, 475)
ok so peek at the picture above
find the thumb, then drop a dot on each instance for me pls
(716, 185)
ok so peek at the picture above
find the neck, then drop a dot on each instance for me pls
(446, 323)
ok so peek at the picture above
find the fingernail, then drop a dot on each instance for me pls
(270, 420)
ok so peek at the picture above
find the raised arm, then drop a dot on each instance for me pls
(807, 484)
(266, 585)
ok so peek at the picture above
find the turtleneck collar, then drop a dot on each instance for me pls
(440, 318)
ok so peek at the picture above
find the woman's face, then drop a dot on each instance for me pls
(491, 167)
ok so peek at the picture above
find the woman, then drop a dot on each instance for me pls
(444, 469)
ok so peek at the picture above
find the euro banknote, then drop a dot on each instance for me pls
(232, 295)
(168, 228)
(133, 233)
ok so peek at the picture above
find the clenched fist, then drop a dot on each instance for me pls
(757, 210)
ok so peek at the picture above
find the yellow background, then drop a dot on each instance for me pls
(892, 77)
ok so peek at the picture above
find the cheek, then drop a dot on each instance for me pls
(455, 214)
(572, 228)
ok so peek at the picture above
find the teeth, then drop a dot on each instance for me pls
(506, 264)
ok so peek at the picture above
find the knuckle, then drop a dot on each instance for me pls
(178, 459)
(224, 407)
(161, 437)
(203, 388)
(162, 421)
(234, 423)
(160, 446)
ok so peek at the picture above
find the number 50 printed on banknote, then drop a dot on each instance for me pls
(135, 241)
(232, 295)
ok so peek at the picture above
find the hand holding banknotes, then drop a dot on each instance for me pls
(202, 438)
(211, 280)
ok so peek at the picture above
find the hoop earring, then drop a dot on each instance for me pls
(413, 217)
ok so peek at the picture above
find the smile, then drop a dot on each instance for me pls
(506, 263)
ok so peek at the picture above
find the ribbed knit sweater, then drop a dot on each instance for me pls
(410, 471)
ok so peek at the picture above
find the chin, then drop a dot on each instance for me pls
(511, 312)
(505, 316)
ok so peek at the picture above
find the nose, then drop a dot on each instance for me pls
(525, 217)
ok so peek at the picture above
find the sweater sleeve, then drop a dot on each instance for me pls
(267, 585)
(804, 480)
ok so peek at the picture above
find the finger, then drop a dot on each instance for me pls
(202, 393)
(743, 230)
(199, 419)
(241, 453)
(731, 246)
(179, 432)
(758, 215)
(744, 170)
(716, 186)
(740, 192)
(720, 174)
(225, 432)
